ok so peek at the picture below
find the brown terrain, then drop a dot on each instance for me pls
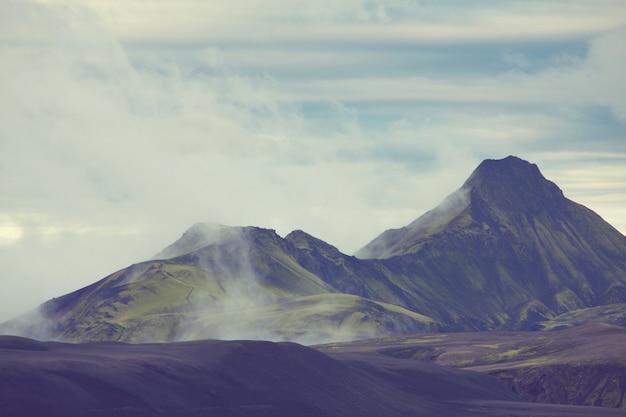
(584, 365)
(249, 378)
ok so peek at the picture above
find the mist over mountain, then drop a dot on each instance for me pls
(509, 249)
(248, 283)
(506, 251)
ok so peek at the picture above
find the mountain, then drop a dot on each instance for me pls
(506, 251)
(198, 236)
(510, 249)
(220, 282)
(583, 365)
(243, 379)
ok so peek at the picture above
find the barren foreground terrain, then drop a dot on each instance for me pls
(583, 365)
(244, 378)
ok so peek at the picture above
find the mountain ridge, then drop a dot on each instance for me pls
(507, 250)
(522, 237)
(510, 184)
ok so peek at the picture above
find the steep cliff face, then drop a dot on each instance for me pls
(593, 384)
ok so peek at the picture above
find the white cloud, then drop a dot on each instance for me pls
(595, 179)
(604, 71)
(10, 231)
(353, 20)
(515, 59)
(596, 80)
(106, 158)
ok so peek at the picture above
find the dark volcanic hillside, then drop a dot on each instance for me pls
(584, 365)
(506, 251)
(240, 379)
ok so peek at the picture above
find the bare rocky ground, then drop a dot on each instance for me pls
(583, 366)
(246, 378)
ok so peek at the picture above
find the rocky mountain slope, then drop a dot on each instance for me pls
(249, 283)
(506, 251)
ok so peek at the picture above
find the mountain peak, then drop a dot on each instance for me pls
(197, 236)
(509, 168)
(513, 184)
(303, 240)
(496, 192)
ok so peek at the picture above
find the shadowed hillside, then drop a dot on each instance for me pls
(584, 365)
(507, 250)
(240, 379)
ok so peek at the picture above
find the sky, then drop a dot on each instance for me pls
(124, 123)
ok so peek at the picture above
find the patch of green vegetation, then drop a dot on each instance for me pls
(610, 314)
(507, 355)
(514, 357)
(489, 346)
(426, 339)
(568, 300)
(401, 310)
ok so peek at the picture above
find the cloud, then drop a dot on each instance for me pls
(123, 124)
(10, 231)
(604, 70)
(391, 21)
(593, 81)
(515, 59)
(96, 150)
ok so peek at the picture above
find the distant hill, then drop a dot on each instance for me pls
(506, 251)
(248, 283)
(583, 365)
